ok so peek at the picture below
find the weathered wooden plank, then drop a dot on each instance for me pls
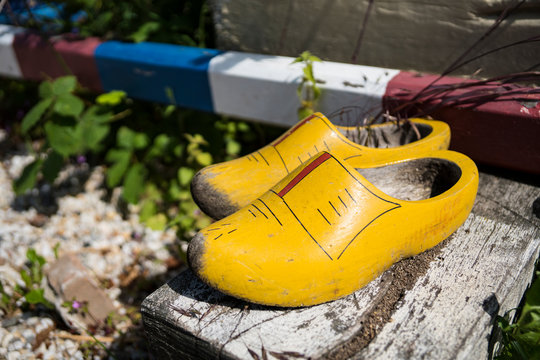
(440, 304)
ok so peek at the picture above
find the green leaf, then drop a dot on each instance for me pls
(169, 110)
(45, 90)
(304, 112)
(185, 175)
(178, 150)
(34, 257)
(243, 127)
(92, 128)
(134, 183)
(314, 58)
(28, 178)
(35, 296)
(233, 147)
(125, 137)
(33, 116)
(63, 138)
(157, 222)
(64, 85)
(144, 31)
(148, 209)
(161, 143)
(140, 141)
(196, 139)
(120, 159)
(68, 105)
(111, 98)
(174, 190)
(25, 276)
(308, 73)
(204, 158)
(52, 166)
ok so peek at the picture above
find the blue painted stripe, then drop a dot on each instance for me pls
(153, 71)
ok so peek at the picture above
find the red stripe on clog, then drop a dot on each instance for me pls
(318, 161)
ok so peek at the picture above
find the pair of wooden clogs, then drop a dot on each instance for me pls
(323, 210)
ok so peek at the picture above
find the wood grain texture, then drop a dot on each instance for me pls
(448, 311)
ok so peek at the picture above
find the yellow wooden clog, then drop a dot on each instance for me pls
(222, 189)
(327, 229)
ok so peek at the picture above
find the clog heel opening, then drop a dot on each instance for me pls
(415, 179)
(386, 136)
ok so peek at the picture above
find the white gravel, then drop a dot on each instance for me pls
(85, 224)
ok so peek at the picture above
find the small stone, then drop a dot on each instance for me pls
(29, 336)
(72, 281)
(14, 355)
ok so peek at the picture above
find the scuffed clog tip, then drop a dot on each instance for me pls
(212, 202)
(195, 253)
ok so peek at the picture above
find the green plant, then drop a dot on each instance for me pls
(308, 91)
(184, 22)
(521, 339)
(70, 127)
(32, 292)
(152, 151)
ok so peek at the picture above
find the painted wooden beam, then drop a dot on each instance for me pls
(263, 88)
(158, 72)
(503, 133)
(40, 58)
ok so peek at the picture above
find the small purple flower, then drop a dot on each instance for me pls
(20, 114)
(76, 305)
(81, 159)
(75, 30)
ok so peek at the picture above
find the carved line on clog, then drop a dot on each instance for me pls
(271, 212)
(283, 161)
(369, 223)
(324, 217)
(346, 207)
(261, 155)
(306, 230)
(255, 206)
(354, 177)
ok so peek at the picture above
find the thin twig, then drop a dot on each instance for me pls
(457, 63)
(2, 3)
(285, 27)
(66, 335)
(32, 18)
(362, 30)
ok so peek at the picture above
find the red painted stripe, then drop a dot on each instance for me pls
(500, 133)
(40, 58)
(318, 161)
(286, 135)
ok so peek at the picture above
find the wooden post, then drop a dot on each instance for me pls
(441, 304)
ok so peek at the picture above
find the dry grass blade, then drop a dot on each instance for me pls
(253, 354)
(465, 94)
(362, 30)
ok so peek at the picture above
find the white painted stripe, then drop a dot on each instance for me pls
(262, 87)
(9, 66)
(257, 87)
(351, 85)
